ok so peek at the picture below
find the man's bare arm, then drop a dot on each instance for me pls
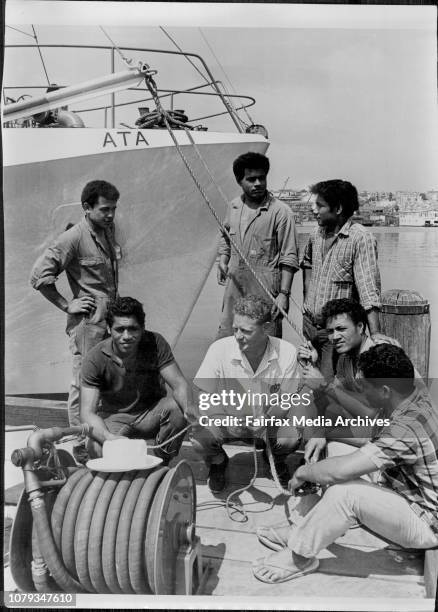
(307, 273)
(373, 320)
(334, 469)
(182, 391)
(89, 401)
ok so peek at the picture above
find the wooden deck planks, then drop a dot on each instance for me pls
(234, 578)
(359, 564)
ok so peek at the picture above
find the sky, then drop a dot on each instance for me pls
(344, 91)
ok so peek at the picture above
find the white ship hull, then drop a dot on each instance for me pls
(167, 234)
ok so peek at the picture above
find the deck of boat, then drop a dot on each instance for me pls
(358, 564)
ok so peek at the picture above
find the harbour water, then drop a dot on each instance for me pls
(408, 259)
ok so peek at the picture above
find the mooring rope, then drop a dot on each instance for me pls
(151, 85)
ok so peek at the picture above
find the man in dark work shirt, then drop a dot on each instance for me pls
(123, 385)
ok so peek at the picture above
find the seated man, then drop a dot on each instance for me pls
(403, 509)
(251, 365)
(345, 322)
(122, 384)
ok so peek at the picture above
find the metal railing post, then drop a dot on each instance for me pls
(113, 95)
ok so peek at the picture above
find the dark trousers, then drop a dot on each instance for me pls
(159, 423)
(208, 441)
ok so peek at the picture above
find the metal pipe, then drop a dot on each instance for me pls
(234, 116)
(169, 93)
(25, 458)
(113, 97)
(67, 95)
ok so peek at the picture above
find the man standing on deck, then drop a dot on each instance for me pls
(88, 254)
(403, 508)
(264, 229)
(250, 362)
(123, 390)
(340, 261)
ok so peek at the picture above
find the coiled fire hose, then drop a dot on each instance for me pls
(105, 532)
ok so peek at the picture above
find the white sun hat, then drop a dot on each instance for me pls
(124, 455)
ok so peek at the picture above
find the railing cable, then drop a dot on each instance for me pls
(223, 70)
(41, 55)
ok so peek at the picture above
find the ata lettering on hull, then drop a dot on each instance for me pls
(124, 138)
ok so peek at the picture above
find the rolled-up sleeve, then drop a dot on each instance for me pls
(287, 240)
(53, 261)
(395, 445)
(366, 271)
(224, 247)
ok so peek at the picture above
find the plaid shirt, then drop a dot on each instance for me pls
(349, 269)
(407, 452)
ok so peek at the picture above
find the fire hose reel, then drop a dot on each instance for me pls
(131, 532)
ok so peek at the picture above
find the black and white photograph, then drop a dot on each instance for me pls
(221, 305)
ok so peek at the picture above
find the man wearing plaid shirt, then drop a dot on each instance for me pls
(339, 261)
(402, 508)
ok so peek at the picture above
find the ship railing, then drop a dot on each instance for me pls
(217, 86)
(172, 93)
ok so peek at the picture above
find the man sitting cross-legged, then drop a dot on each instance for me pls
(403, 508)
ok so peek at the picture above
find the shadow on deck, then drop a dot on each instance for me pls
(359, 564)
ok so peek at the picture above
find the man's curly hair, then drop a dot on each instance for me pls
(254, 307)
(386, 364)
(353, 309)
(125, 307)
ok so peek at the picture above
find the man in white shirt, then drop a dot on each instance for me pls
(248, 385)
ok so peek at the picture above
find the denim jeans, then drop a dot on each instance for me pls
(382, 510)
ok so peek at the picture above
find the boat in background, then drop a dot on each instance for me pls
(166, 231)
(418, 218)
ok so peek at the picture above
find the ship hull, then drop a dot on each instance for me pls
(166, 232)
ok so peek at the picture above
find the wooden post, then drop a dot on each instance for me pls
(405, 316)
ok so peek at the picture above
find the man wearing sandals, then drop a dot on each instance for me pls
(403, 508)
